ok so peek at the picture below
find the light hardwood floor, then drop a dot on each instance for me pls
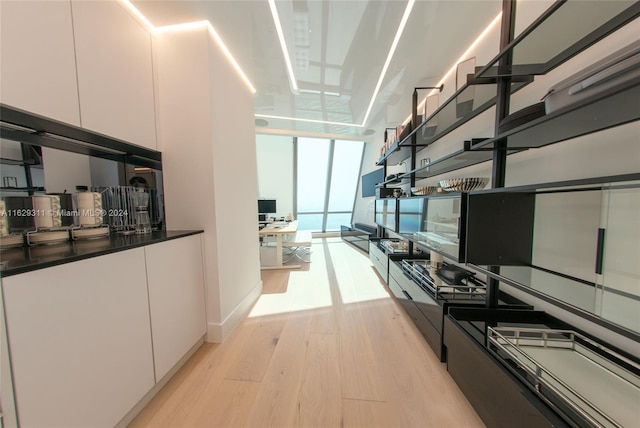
(325, 346)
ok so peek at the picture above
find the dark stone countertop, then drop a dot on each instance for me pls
(26, 259)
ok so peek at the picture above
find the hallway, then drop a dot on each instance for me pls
(324, 346)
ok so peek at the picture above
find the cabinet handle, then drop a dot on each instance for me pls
(600, 251)
(407, 294)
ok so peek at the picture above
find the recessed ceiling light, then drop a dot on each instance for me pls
(261, 122)
(369, 132)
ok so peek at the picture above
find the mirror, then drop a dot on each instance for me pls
(28, 170)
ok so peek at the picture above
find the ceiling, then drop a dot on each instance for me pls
(337, 49)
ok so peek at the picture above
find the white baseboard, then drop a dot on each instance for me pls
(217, 332)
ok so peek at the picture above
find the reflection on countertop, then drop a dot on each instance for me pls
(25, 259)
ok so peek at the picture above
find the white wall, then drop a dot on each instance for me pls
(235, 181)
(65, 170)
(104, 172)
(275, 170)
(206, 135)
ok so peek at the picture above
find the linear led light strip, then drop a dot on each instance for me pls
(192, 25)
(292, 79)
(462, 58)
(283, 45)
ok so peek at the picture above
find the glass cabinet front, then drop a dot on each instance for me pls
(386, 213)
(433, 222)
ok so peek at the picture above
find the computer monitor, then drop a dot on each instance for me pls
(267, 206)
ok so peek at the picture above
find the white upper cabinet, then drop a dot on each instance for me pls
(115, 73)
(38, 69)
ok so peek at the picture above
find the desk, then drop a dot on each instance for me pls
(279, 229)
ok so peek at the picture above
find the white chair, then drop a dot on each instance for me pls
(298, 245)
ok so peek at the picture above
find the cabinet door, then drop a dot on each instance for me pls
(620, 256)
(38, 66)
(80, 340)
(115, 77)
(176, 298)
(380, 260)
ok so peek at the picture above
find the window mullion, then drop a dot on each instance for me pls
(295, 177)
(332, 144)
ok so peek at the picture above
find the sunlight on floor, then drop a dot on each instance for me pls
(305, 290)
(364, 286)
(350, 269)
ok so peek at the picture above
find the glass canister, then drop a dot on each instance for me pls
(143, 222)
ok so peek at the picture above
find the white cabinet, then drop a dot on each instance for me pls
(38, 68)
(176, 298)
(80, 340)
(115, 74)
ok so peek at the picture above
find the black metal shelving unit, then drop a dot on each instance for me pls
(448, 117)
(546, 44)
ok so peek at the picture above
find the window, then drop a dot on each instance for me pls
(327, 174)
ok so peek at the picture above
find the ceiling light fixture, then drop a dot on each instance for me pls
(283, 45)
(188, 26)
(182, 27)
(309, 120)
(143, 19)
(403, 22)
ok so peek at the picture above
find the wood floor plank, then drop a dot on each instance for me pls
(359, 366)
(252, 361)
(276, 404)
(414, 379)
(230, 407)
(366, 414)
(171, 406)
(320, 401)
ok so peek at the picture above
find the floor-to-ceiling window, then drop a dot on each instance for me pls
(327, 174)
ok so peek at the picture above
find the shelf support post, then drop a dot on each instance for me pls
(499, 165)
(414, 120)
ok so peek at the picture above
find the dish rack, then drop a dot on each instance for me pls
(418, 270)
(597, 385)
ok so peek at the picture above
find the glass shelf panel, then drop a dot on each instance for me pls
(549, 41)
(591, 115)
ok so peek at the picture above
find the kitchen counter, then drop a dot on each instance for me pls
(26, 259)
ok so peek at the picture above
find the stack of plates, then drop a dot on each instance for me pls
(97, 232)
(464, 184)
(48, 238)
(4, 226)
(11, 241)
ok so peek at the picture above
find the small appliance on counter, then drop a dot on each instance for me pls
(143, 222)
